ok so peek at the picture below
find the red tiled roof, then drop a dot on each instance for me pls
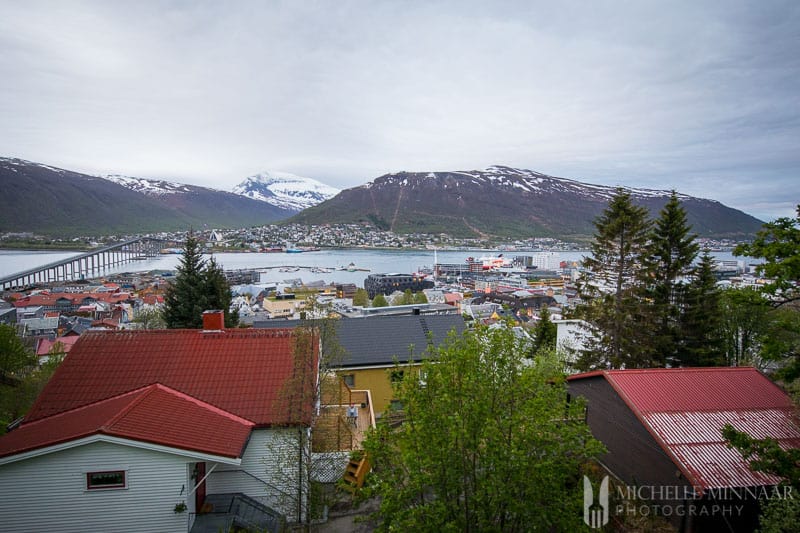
(75, 298)
(45, 345)
(685, 409)
(154, 414)
(242, 371)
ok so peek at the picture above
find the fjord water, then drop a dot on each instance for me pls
(371, 261)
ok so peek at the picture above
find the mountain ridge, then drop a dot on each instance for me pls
(505, 202)
(59, 202)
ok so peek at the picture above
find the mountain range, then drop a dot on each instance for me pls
(52, 201)
(496, 202)
(505, 202)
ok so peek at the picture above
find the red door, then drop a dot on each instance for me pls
(200, 492)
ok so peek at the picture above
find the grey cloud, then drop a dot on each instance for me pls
(700, 97)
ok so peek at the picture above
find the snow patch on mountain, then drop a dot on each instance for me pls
(150, 187)
(285, 190)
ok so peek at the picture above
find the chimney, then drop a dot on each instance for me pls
(213, 320)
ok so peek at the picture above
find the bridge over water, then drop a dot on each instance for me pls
(86, 265)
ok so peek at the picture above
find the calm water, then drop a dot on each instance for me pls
(376, 261)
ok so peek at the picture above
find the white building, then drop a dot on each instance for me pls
(162, 430)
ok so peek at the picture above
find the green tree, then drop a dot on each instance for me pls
(198, 286)
(21, 380)
(420, 298)
(379, 301)
(545, 333)
(488, 442)
(767, 455)
(218, 292)
(14, 357)
(150, 318)
(778, 244)
(744, 316)
(701, 334)
(669, 259)
(316, 355)
(185, 299)
(610, 288)
(361, 297)
(407, 298)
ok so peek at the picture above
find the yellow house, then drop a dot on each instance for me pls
(374, 346)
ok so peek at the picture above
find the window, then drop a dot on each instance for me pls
(349, 380)
(396, 376)
(114, 479)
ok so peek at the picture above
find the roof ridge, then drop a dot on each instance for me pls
(125, 410)
(85, 406)
(204, 404)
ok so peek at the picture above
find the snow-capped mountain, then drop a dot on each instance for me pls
(284, 190)
(506, 202)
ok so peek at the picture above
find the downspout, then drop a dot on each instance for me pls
(300, 477)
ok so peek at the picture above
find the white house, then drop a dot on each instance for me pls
(162, 430)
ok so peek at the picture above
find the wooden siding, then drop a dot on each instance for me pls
(268, 473)
(48, 493)
(633, 454)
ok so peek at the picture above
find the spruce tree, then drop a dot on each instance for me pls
(702, 319)
(199, 286)
(610, 288)
(545, 333)
(671, 253)
(219, 292)
(186, 299)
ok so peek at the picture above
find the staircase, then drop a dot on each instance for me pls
(237, 511)
(355, 473)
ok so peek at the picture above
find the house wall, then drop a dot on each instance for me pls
(48, 493)
(633, 454)
(269, 471)
(378, 382)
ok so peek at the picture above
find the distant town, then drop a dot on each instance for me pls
(278, 237)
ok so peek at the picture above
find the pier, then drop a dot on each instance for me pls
(85, 265)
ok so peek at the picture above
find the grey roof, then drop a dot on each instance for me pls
(383, 340)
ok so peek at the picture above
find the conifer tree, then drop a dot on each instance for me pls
(198, 286)
(701, 319)
(545, 333)
(669, 260)
(610, 288)
(219, 292)
(185, 299)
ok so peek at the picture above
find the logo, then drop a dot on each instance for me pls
(595, 516)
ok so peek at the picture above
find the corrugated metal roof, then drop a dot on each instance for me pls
(243, 372)
(685, 410)
(698, 389)
(154, 414)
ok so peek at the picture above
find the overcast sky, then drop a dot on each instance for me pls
(703, 97)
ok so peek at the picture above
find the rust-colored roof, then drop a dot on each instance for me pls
(45, 345)
(685, 410)
(242, 371)
(153, 414)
